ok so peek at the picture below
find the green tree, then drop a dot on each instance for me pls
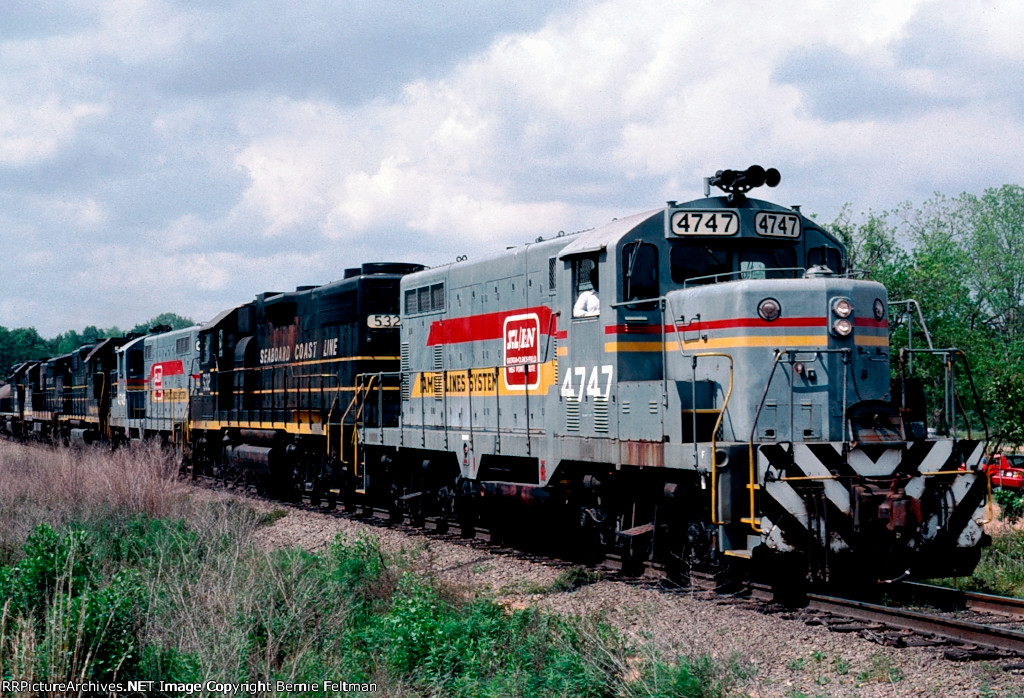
(22, 344)
(997, 277)
(997, 256)
(174, 321)
(871, 246)
(962, 259)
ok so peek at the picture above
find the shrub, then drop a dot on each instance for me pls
(1011, 503)
(60, 622)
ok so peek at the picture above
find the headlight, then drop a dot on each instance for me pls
(769, 309)
(879, 309)
(842, 308)
(842, 327)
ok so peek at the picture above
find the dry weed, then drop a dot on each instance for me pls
(40, 484)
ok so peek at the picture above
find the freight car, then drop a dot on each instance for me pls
(701, 382)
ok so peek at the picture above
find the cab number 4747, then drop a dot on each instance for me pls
(593, 381)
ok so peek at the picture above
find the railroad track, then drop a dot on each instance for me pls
(964, 639)
(959, 600)
(968, 625)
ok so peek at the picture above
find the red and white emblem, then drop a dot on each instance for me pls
(521, 334)
(158, 382)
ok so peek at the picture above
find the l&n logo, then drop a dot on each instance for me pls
(522, 351)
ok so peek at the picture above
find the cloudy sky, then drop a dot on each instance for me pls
(183, 156)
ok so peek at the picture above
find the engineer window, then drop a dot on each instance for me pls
(768, 263)
(639, 272)
(825, 257)
(585, 284)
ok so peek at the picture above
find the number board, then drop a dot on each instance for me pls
(383, 321)
(777, 225)
(690, 222)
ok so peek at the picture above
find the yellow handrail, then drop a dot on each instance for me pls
(330, 411)
(714, 433)
(989, 500)
(356, 399)
(358, 416)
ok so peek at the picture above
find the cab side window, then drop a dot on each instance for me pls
(639, 272)
(585, 287)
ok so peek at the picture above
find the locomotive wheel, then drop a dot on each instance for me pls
(464, 506)
(395, 513)
(445, 506)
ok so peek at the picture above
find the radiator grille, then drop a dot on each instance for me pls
(601, 415)
(572, 416)
(405, 371)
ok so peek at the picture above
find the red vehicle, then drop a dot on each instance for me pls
(1006, 471)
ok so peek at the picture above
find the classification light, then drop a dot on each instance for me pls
(769, 309)
(879, 309)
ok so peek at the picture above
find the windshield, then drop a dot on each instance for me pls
(727, 261)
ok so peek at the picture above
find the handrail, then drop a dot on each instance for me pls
(951, 398)
(987, 455)
(920, 316)
(104, 424)
(362, 390)
(910, 324)
(752, 473)
(330, 411)
(193, 371)
(974, 391)
(714, 433)
(356, 420)
(341, 423)
(742, 274)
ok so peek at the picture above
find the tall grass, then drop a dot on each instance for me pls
(121, 576)
(57, 486)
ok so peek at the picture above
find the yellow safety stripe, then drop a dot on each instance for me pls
(741, 343)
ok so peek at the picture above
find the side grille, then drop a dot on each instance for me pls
(572, 415)
(601, 415)
(406, 386)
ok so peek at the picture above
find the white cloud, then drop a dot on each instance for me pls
(33, 132)
(221, 155)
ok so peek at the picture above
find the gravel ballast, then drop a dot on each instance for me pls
(786, 657)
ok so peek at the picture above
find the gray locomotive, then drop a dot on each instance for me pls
(696, 383)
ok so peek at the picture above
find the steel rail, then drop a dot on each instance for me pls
(949, 598)
(957, 630)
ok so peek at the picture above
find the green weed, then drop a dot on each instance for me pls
(880, 669)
